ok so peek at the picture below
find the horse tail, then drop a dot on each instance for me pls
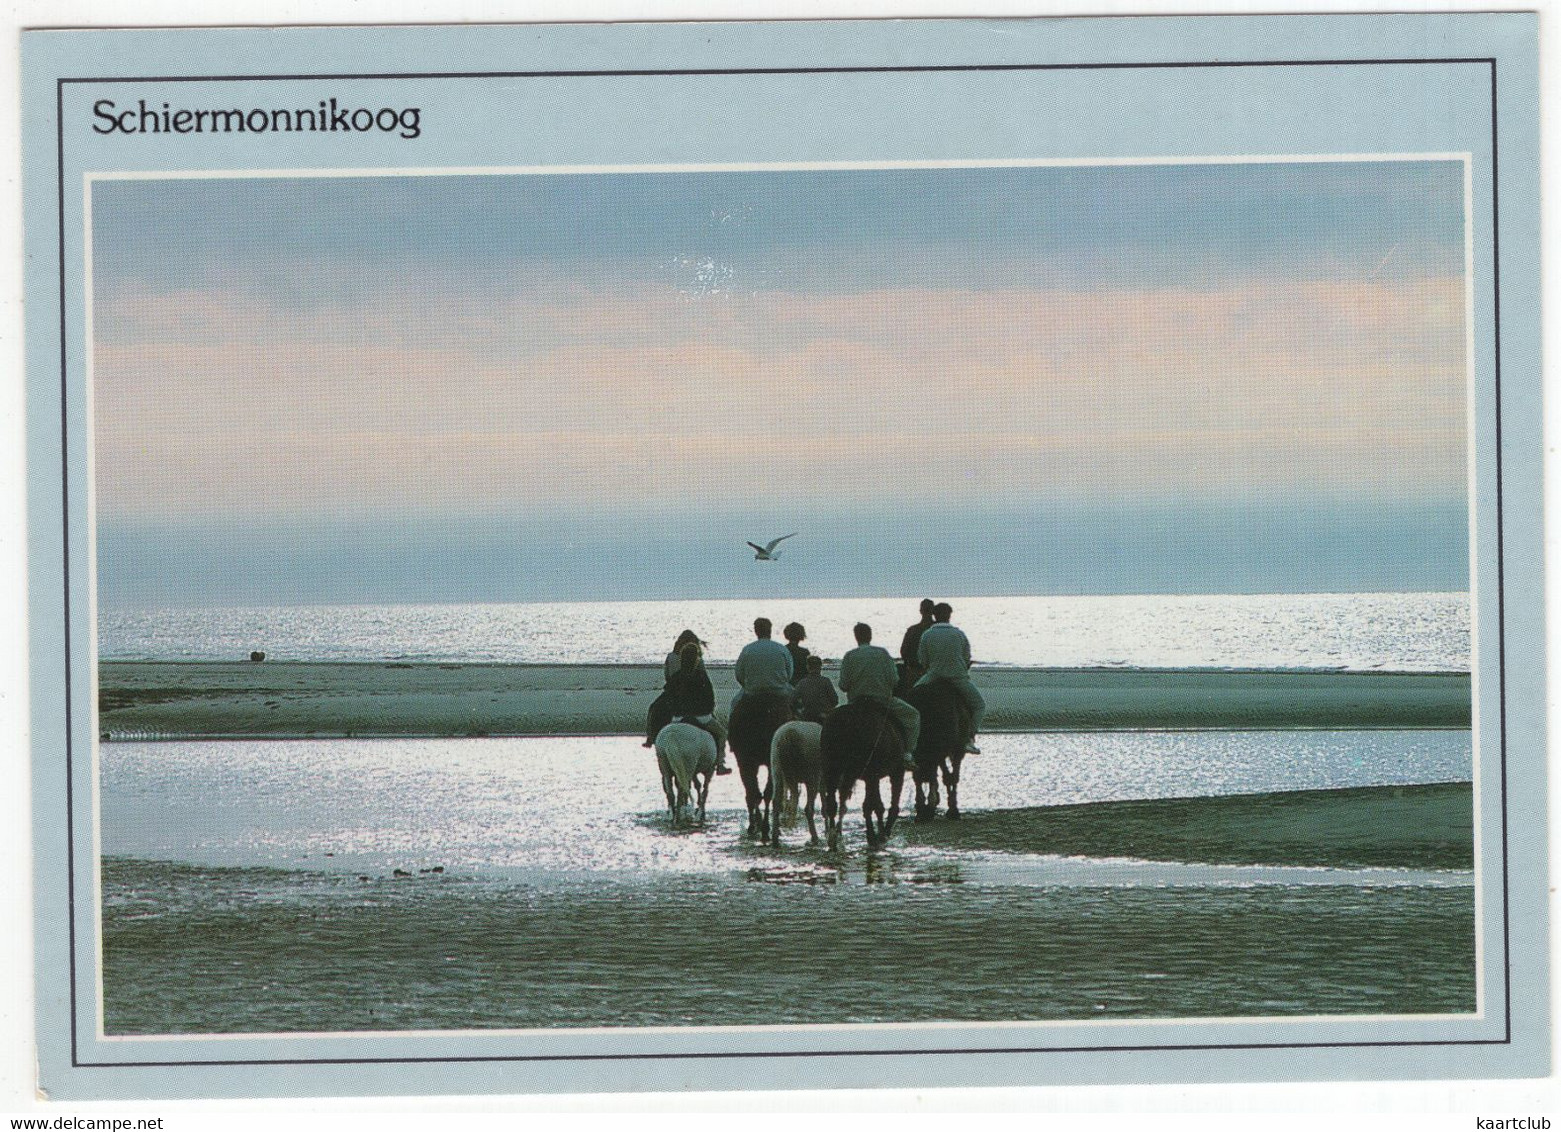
(778, 751)
(790, 749)
(684, 765)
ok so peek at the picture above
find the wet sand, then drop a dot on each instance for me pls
(1419, 827)
(192, 950)
(159, 699)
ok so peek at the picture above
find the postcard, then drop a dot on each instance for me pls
(796, 555)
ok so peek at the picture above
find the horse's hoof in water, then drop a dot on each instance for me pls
(953, 815)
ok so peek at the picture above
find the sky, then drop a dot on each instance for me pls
(1130, 379)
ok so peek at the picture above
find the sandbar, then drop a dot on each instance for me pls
(143, 700)
(1418, 827)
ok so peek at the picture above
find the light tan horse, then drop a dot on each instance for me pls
(795, 764)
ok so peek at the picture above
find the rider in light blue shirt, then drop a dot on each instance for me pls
(867, 672)
(763, 665)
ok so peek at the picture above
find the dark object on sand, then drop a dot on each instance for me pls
(257, 656)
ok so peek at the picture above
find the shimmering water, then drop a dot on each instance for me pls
(254, 887)
(1409, 632)
(593, 805)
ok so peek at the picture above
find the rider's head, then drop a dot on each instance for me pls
(864, 632)
(926, 607)
(689, 656)
(795, 633)
(684, 637)
(761, 628)
(942, 611)
(815, 665)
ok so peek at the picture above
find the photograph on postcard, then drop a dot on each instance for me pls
(783, 595)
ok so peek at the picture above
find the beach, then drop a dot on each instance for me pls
(168, 699)
(313, 845)
(307, 885)
(200, 950)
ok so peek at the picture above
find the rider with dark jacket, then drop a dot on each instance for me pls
(795, 634)
(689, 690)
(692, 699)
(910, 647)
(660, 711)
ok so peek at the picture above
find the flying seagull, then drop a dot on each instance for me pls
(767, 552)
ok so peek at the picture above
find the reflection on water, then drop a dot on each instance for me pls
(593, 806)
(1407, 631)
(796, 874)
(519, 883)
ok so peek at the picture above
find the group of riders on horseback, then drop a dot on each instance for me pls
(925, 710)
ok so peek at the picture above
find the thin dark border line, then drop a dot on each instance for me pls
(1490, 61)
(70, 804)
(1501, 606)
(1014, 1051)
(706, 71)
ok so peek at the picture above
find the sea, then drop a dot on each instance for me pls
(309, 886)
(1411, 632)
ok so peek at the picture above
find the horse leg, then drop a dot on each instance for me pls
(926, 795)
(812, 829)
(666, 788)
(831, 813)
(896, 784)
(872, 804)
(951, 780)
(750, 777)
(776, 776)
(775, 838)
(703, 782)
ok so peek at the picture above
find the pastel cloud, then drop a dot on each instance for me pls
(421, 395)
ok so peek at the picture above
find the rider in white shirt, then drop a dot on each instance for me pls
(944, 652)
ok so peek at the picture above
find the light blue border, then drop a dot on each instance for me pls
(702, 119)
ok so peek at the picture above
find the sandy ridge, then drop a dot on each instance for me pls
(159, 699)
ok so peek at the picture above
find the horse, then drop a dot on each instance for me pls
(686, 755)
(795, 761)
(755, 719)
(941, 747)
(861, 741)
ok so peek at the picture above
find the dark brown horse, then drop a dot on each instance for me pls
(861, 742)
(753, 724)
(941, 747)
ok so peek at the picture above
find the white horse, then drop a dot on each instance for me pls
(795, 763)
(686, 755)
